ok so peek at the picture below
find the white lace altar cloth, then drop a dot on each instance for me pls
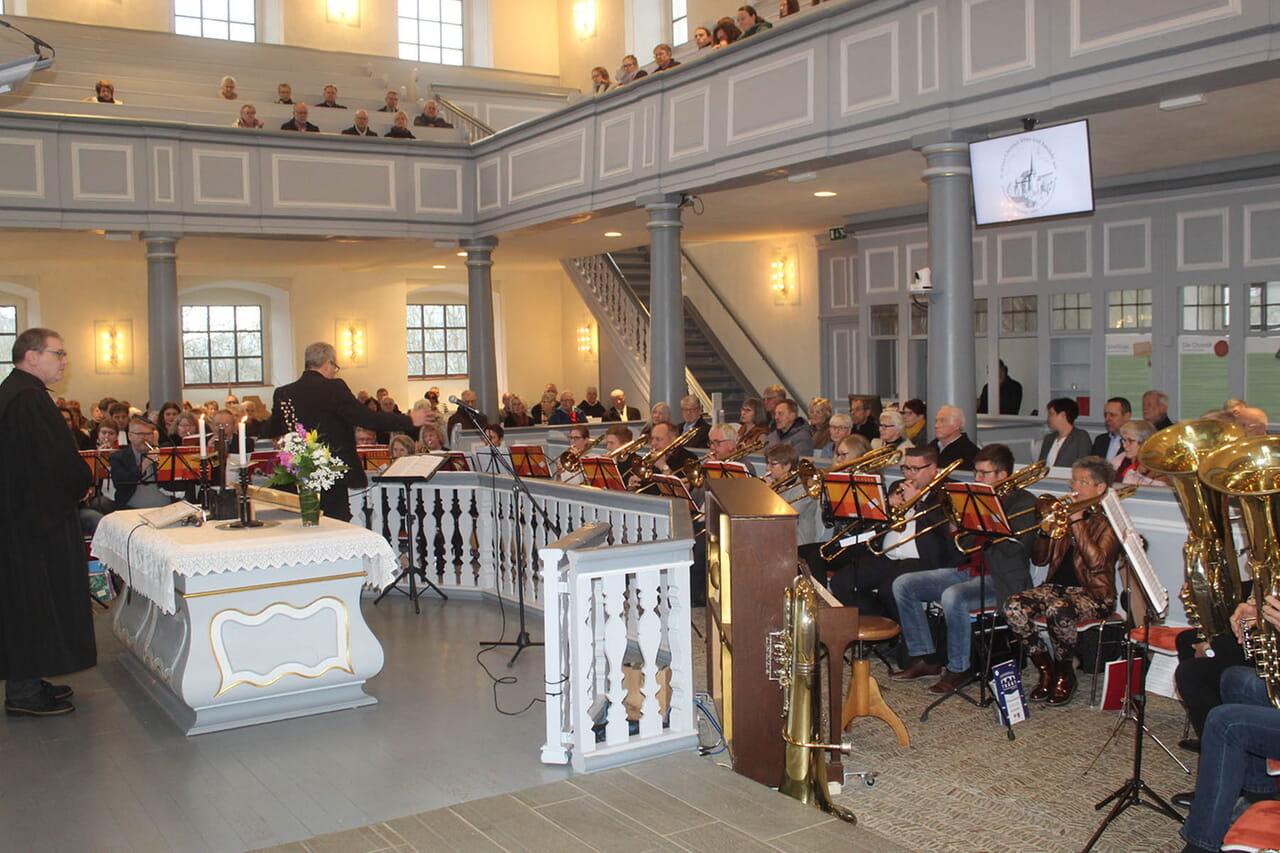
(123, 541)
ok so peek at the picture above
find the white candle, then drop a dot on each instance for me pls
(244, 443)
(204, 447)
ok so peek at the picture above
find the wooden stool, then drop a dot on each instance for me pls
(864, 699)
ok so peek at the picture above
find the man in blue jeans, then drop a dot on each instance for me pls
(1239, 736)
(1006, 564)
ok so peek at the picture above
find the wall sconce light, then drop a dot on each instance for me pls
(782, 279)
(352, 346)
(343, 12)
(113, 346)
(586, 341)
(584, 18)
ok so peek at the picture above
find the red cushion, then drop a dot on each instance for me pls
(1258, 829)
(1161, 637)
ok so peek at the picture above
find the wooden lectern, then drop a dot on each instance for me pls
(751, 560)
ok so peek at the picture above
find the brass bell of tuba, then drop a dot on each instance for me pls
(1212, 588)
(793, 659)
(1249, 470)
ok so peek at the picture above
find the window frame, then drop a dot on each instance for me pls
(236, 331)
(446, 327)
(204, 20)
(418, 45)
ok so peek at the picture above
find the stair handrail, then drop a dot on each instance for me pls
(475, 128)
(727, 308)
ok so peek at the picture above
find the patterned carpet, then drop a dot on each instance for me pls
(963, 786)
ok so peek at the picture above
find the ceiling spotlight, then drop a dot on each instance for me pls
(824, 194)
(438, 266)
(613, 233)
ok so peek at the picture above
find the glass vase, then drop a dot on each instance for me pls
(309, 503)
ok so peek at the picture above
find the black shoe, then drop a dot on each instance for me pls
(41, 706)
(1184, 799)
(56, 691)
(1190, 744)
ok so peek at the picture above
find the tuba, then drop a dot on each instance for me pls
(1212, 588)
(1250, 471)
(793, 663)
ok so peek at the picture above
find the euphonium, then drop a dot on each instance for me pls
(1212, 588)
(793, 659)
(571, 460)
(1250, 471)
(644, 468)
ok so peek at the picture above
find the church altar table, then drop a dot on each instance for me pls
(229, 628)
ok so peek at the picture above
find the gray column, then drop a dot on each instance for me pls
(666, 301)
(951, 340)
(164, 325)
(482, 358)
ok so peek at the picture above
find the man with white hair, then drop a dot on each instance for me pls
(693, 420)
(950, 440)
(591, 405)
(361, 126)
(1155, 409)
(620, 411)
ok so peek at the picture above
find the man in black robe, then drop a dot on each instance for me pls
(321, 401)
(46, 627)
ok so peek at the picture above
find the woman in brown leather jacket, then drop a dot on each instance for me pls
(1081, 584)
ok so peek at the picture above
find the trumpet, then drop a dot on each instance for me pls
(697, 475)
(644, 468)
(571, 460)
(1058, 514)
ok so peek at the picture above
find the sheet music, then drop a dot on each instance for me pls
(1122, 524)
(415, 466)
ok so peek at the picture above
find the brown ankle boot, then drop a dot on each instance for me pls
(1044, 663)
(1064, 684)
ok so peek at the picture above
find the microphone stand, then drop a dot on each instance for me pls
(522, 641)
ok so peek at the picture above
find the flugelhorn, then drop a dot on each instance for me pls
(571, 460)
(1212, 574)
(1249, 470)
(697, 475)
(1058, 514)
(644, 468)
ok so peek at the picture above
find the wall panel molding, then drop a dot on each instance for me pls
(890, 90)
(1262, 219)
(1143, 27)
(88, 180)
(21, 167)
(971, 72)
(793, 75)
(425, 187)
(202, 158)
(303, 181)
(1112, 245)
(549, 164)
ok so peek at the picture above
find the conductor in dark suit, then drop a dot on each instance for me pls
(321, 401)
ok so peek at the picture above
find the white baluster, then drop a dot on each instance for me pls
(649, 630)
(615, 646)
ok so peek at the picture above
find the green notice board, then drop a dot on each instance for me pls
(1263, 381)
(1128, 375)
(1202, 376)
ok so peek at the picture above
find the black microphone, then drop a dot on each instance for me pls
(462, 405)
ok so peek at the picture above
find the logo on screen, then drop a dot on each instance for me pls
(1029, 175)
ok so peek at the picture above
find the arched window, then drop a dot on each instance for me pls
(232, 20)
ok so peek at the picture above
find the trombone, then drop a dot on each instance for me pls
(898, 517)
(1020, 479)
(571, 460)
(813, 479)
(644, 468)
(697, 475)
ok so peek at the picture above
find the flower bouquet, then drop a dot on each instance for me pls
(303, 461)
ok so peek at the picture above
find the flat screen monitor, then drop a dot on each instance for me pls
(1033, 175)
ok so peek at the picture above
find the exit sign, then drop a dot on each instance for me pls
(836, 233)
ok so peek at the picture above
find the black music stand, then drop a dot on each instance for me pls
(530, 460)
(980, 513)
(409, 570)
(1130, 793)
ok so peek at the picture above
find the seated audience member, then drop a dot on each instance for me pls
(600, 82)
(1155, 409)
(591, 406)
(82, 440)
(248, 119)
(541, 413)
(1065, 443)
(725, 33)
(372, 404)
(119, 414)
(950, 440)
(790, 428)
(134, 473)
(866, 579)
(284, 94)
(754, 420)
(228, 90)
(496, 433)
(615, 437)
(1005, 565)
(620, 411)
(913, 420)
(462, 417)
(104, 93)
(187, 424)
(390, 102)
(864, 412)
(1116, 412)
(839, 428)
(224, 423)
(400, 127)
(1253, 420)
(892, 431)
(819, 425)
(1128, 468)
(702, 37)
(1010, 394)
(401, 446)
(330, 99)
(659, 413)
(167, 422)
(210, 408)
(517, 414)
(663, 59)
(771, 395)
(1081, 584)
(750, 22)
(299, 121)
(788, 7)
(693, 420)
(566, 413)
(430, 116)
(579, 438)
(631, 70)
(361, 125)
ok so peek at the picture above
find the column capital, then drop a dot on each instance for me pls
(479, 244)
(160, 244)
